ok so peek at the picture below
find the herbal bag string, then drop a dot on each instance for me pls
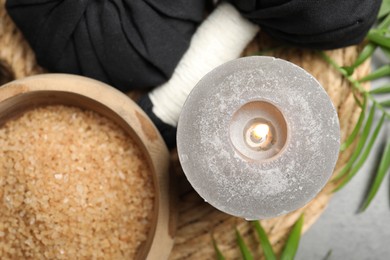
(220, 38)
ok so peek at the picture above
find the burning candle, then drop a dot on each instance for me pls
(258, 130)
(258, 137)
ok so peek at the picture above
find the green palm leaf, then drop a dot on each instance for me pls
(264, 242)
(356, 130)
(217, 251)
(381, 90)
(385, 22)
(384, 167)
(291, 247)
(379, 73)
(359, 146)
(246, 253)
(364, 156)
(328, 255)
(385, 9)
(378, 38)
(367, 51)
(385, 103)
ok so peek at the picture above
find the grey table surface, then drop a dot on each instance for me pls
(343, 233)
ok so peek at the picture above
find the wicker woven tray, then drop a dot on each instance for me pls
(197, 220)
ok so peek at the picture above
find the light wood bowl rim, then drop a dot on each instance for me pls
(160, 240)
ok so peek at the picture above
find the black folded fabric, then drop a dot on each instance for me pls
(316, 24)
(6, 73)
(126, 43)
(167, 131)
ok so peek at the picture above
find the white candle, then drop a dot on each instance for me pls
(258, 137)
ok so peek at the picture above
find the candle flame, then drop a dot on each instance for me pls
(260, 132)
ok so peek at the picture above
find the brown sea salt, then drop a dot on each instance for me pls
(73, 185)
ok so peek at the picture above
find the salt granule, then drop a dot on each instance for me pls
(56, 177)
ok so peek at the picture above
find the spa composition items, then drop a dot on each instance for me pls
(73, 185)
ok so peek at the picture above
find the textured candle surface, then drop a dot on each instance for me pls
(258, 188)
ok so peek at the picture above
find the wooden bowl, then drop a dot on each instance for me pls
(85, 93)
